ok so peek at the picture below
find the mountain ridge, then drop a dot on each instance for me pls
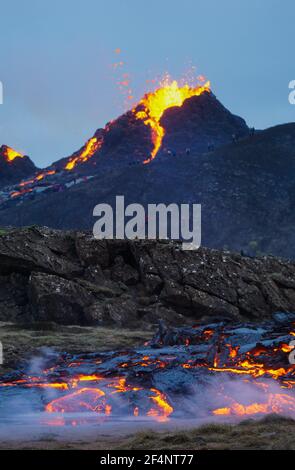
(243, 179)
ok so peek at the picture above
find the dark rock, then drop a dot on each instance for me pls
(177, 295)
(96, 314)
(53, 298)
(242, 186)
(122, 312)
(203, 303)
(13, 297)
(34, 249)
(124, 272)
(91, 251)
(68, 278)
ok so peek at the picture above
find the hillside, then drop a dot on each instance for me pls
(246, 190)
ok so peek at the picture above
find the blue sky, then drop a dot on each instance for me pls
(60, 85)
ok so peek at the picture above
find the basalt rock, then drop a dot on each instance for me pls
(53, 298)
(71, 278)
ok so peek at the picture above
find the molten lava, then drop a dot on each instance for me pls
(152, 106)
(38, 177)
(102, 400)
(91, 146)
(176, 375)
(276, 403)
(10, 154)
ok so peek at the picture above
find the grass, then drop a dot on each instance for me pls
(21, 341)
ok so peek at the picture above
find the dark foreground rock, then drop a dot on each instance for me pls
(70, 278)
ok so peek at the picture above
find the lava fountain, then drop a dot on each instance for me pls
(152, 106)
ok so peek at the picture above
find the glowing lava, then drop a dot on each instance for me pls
(98, 399)
(276, 403)
(10, 154)
(153, 105)
(91, 146)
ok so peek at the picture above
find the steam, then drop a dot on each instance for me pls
(23, 416)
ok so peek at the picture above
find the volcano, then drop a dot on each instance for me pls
(178, 144)
(169, 121)
(14, 166)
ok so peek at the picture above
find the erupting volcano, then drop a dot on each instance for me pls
(150, 110)
(152, 106)
(167, 121)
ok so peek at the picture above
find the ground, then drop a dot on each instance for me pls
(270, 433)
(22, 341)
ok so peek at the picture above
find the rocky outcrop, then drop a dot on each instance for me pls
(71, 278)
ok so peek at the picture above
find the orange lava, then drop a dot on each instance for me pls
(86, 399)
(254, 369)
(39, 177)
(10, 154)
(276, 403)
(91, 146)
(154, 104)
(164, 409)
(20, 193)
(98, 400)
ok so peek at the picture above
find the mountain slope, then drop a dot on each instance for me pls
(246, 190)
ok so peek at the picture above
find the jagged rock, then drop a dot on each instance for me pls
(251, 301)
(13, 297)
(70, 278)
(153, 283)
(153, 314)
(206, 304)
(53, 298)
(33, 249)
(124, 272)
(122, 313)
(96, 314)
(91, 251)
(176, 295)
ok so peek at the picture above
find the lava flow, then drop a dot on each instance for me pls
(214, 371)
(152, 106)
(91, 146)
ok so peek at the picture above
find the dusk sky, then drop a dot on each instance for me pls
(60, 83)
